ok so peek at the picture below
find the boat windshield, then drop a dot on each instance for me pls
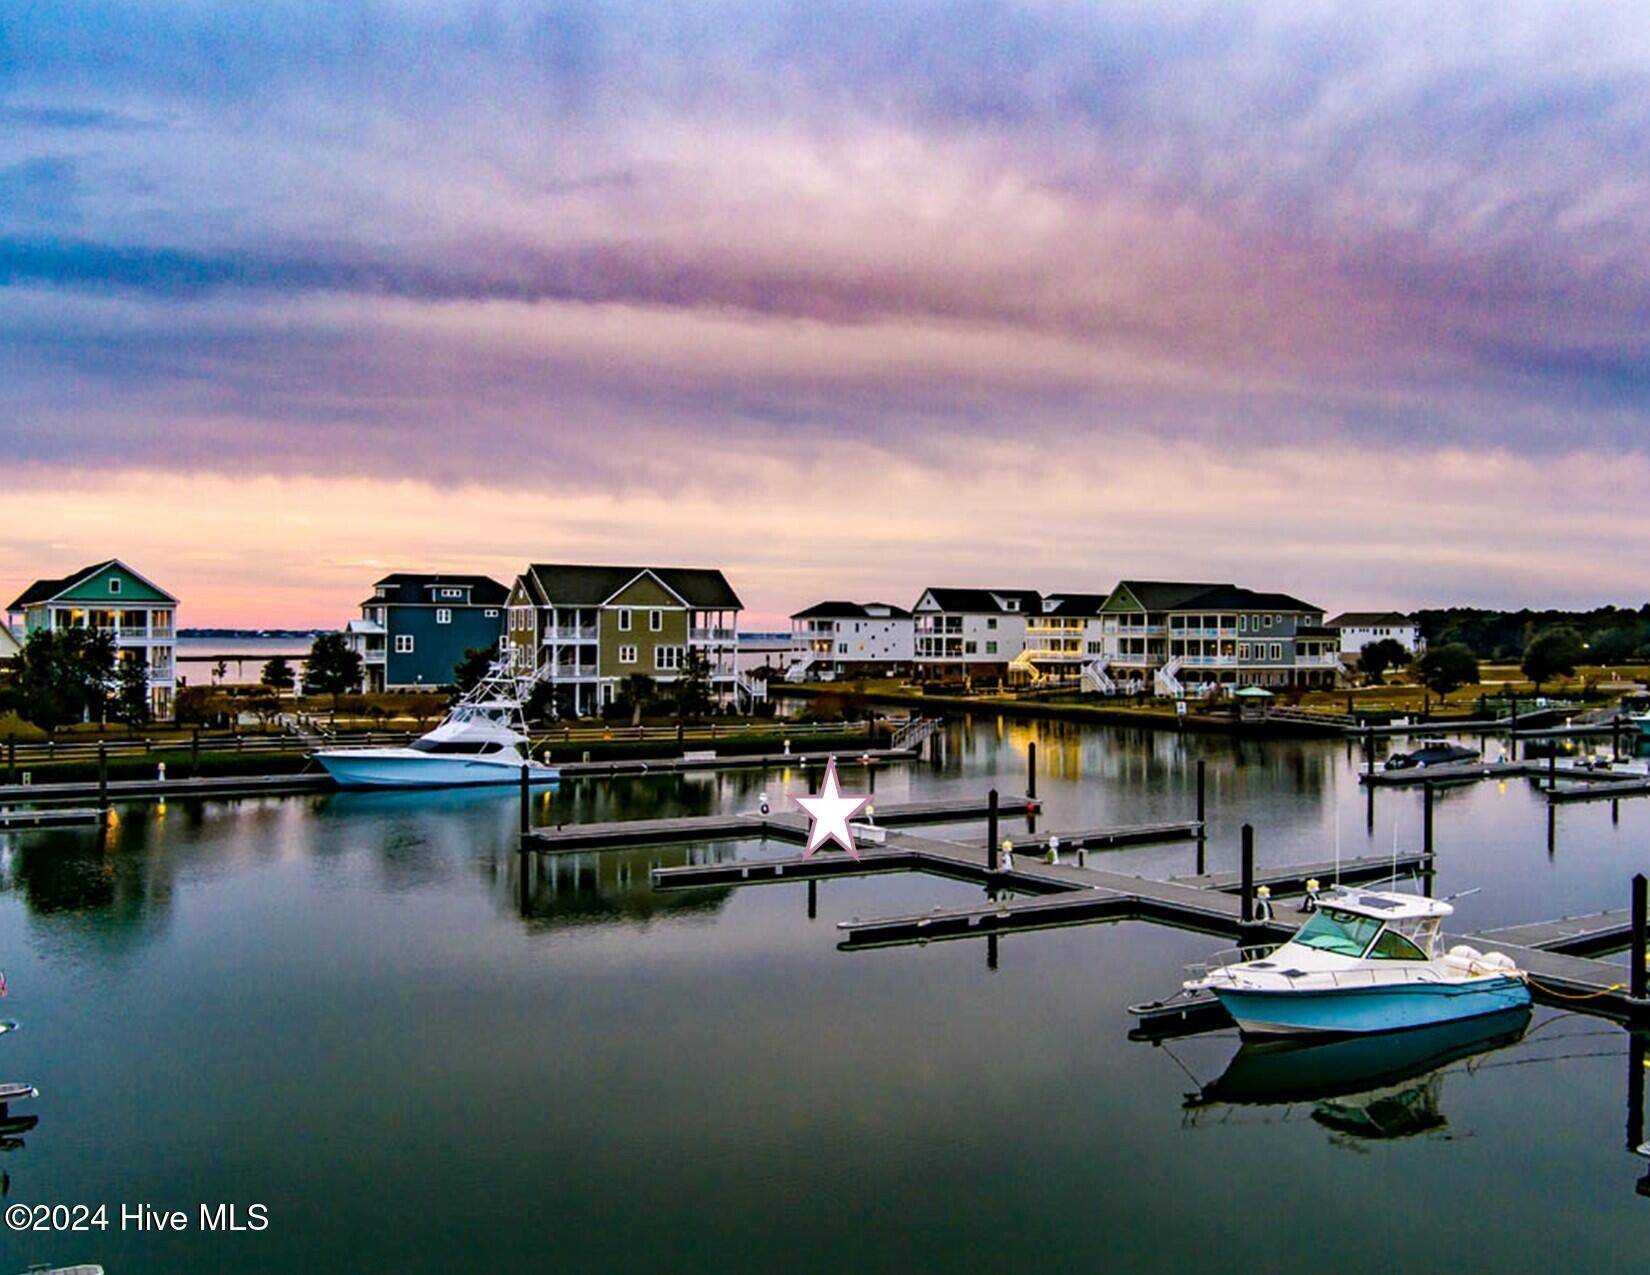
(1343, 933)
(468, 747)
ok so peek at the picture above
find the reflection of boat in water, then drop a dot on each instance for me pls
(482, 740)
(1365, 961)
(1384, 1086)
(1432, 752)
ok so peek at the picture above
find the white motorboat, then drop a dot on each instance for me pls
(482, 740)
(1365, 961)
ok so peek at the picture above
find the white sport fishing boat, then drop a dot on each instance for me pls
(482, 740)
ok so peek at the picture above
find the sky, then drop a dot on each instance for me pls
(848, 299)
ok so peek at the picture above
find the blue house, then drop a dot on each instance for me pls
(415, 628)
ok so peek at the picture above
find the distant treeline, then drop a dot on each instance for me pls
(1614, 635)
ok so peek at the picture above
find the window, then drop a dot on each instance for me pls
(492, 613)
(1393, 946)
(1266, 620)
(1243, 650)
(443, 615)
(1243, 624)
(627, 655)
(991, 622)
(1344, 933)
(655, 620)
(991, 648)
(667, 658)
(624, 622)
(969, 648)
(403, 643)
(1277, 650)
(114, 584)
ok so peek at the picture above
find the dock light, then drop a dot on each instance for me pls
(160, 771)
(1007, 861)
(870, 814)
(763, 804)
(1263, 903)
(787, 748)
(1310, 903)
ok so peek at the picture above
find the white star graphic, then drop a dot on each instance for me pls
(830, 812)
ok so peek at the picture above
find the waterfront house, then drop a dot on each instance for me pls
(136, 612)
(9, 645)
(416, 627)
(972, 633)
(1063, 639)
(588, 628)
(1181, 634)
(1357, 629)
(855, 639)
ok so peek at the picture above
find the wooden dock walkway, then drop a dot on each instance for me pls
(1291, 878)
(139, 789)
(1570, 936)
(26, 819)
(579, 838)
(737, 761)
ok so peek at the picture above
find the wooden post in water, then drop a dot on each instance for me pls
(1369, 749)
(526, 801)
(1615, 737)
(1202, 781)
(991, 831)
(195, 753)
(1635, 1091)
(1512, 736)
(103, 777)
(1552, 766)
(1247, 871)
(1637, 973)
(1031, 771)
(11, 758)
(813, 899)
(1426, 819)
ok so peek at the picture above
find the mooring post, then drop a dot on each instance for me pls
(1426, 819)
(1615, 737)
(991, 951)
(1247, 869)
(1202, 780)
(813, 780)
(11, 758)
(1635, 1091)
(1369, 749)
(1552, 766)
(813, 899)
(1031, 770)
(1636, 984)
(526, 801)
(1512, 722)
(991, 831)
(102, 776)
(195, 753)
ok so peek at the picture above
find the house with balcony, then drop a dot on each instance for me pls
(1357, 629)
(1180, 635)
(971, 633)
(850, 639)
(1063, 641)
(416, 628)
(587, 628)
(138, 614)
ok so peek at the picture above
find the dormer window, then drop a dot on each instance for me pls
(114, 584)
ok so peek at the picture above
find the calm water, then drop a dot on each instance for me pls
(338, 1007)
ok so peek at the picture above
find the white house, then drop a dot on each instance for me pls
(833, 639)
(972, 632)
(1358, 629)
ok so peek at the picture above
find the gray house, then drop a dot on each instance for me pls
(415, 628)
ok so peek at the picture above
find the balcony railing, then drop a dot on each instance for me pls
(571, 633)
(712, 635)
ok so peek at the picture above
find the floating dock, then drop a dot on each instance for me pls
(743, 761)
(22, 819)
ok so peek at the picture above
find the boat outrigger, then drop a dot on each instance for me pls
(1365, 961)
(482, 740)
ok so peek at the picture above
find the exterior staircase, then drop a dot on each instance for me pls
(798, 671)
(1096, 679)
(1166, 683)
(914, 733)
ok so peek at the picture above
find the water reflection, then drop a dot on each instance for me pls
(1364, 1087)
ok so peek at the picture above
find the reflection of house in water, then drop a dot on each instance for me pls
(613, 885)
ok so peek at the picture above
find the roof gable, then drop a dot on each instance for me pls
(569, 584)
(981, 601)
(91, 584)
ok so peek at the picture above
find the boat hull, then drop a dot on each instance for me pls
(367, 770)
(1357, 1011)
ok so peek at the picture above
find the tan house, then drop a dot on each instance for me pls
(588, 628)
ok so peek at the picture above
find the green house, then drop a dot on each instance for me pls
(139, 614)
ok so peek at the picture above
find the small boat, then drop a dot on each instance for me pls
(1365, 961)
(1432, 752)
(482, 740)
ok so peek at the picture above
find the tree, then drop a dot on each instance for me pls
(1447, 668)
(1379, 656)
(266, 706)
(277, 676)
(64, 675)
(132, 691)
(1553, 652)
(1616, 645)
(333, 669)
(546, 702)
(220, 670)
(637, 694)
(693, 684)
(477, 661)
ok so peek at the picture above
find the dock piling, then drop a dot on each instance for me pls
(11, 759)
(1426, 818)
(526, 802)
(103, 777)
(813, 900)
(1615, 737)
(1552, 768)
(1636, 958)
(991, 831)
(1202, 780)
(1369, 750)
(1031, 770)
(1512, 718)
(1246, 864)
